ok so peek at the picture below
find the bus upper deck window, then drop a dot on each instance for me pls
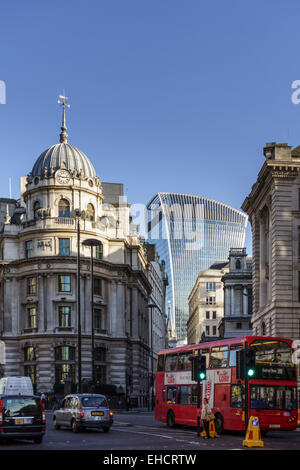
(161, 363)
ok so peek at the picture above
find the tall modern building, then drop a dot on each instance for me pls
(191, 233)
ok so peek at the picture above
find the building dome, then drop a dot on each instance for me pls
(63, 155)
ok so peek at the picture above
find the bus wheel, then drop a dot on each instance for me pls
(219, 423)
(170, 419)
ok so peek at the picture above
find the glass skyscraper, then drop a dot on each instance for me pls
(191, 233)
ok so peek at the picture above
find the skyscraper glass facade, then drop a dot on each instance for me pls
(191, 233)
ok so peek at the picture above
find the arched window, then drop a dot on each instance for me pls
(36, 207)
(63, 208)
(90, 212)
(238, 264)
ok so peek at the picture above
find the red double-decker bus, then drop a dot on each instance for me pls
(272, 392)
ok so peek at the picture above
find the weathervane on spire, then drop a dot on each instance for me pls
(63, 102)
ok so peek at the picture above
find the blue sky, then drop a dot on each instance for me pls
(166, 95)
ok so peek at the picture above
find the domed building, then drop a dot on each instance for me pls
(62, 200)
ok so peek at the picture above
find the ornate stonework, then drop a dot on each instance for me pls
(273, 208)
(38, 283)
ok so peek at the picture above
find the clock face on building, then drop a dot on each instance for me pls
(62, 176)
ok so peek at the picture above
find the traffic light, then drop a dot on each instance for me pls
(201, 367)
(245, 363)
(198, 368)
(250, 363)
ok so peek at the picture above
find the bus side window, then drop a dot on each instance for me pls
(232, 356)
(184, 362)
(171, 395)
(236, 396)
(219, 356)
(171, 362)
(183, 395)
(194, 395)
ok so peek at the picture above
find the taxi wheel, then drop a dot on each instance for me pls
(106, 429)
(75, 426)
(57, 426)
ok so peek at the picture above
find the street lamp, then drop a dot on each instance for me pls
(151, 306)
(92, 242)
(77, 216)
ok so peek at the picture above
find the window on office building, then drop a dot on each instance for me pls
(64, 316)
(29, 249)
(31, 285)
(64, 283)
(210, 287)
(97, 286)
(64, 247)
(31, 317)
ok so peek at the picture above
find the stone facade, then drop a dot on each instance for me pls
(273, 206)
(38, 284)
(158, 280)
(156, 308)
(238, 295)
(206, 304)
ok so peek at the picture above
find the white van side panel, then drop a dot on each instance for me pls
(16, 386)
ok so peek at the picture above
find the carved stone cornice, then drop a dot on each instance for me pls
(271, 170)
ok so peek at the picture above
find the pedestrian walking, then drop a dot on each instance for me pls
(206, 416)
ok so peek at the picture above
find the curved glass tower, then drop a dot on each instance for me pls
(191, 233)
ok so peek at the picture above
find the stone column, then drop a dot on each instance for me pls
(227, 302)
(86, 323)
(232, 310)
(51, 305)
(262, 265)
(135, 312)
(112, 307)
(120, 327)
(14, 304)
(245, 300)
(40, 309)
(7, 306)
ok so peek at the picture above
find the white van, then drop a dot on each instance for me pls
(16, 386)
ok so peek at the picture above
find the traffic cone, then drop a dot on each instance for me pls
(253, 437)
(212, 430)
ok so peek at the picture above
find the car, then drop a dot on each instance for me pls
(22, 417)
(79, 411)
